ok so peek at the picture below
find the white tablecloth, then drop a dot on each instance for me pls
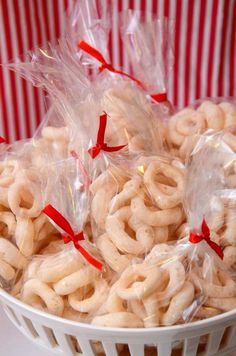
(13, 343)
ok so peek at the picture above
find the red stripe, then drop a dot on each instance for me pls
(176, 50)
(12, 75)
(199, 48)
(188, 51)
(212, 45)
(232, 59)
(154, 7)
(166, 8)
(23, 81)
(143, 5)
(56, 19)
(222, 49)
(131, 4)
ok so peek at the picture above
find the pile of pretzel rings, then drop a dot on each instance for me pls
(134, 223)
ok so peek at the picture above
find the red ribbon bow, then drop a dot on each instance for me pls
(205, 235)
(101, 145)
(70, 236)
(159, 97)
(104, 64)
(2, 140)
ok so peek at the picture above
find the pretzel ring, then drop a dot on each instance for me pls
(7, 224)
(228, 237)
(34, 291)
(11, 255)
(100, 204)
(206, 312)
(226, 290)
(211, 112)
(158, 218)
(230, 113)
(6, 271)
(17, 287)
(32, 269)
(230, 256)
(71, 314)
(24, 235)
(165, 196)
(119, 320)
(185, 123)
(224, 304)
(111, 254)
(176, 274)
(78, 279)
(180, 302)
(130, 189)
(114, 302)
(43, 227)
(53, 268)
(111, 175)
(161, 253)
(153, 313)
(115, 227)
(80, 302)
(59, 134)
(8, 170)
(130, 288)
(18, 192)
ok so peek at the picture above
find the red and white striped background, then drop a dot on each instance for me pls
(204, 50)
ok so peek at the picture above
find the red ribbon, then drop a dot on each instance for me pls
(2, 140)
(101, 145)
(205, 235)
(86, 178)
(70, 236)
(104, 64)
(159, 97)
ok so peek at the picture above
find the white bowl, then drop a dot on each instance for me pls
(213, 336)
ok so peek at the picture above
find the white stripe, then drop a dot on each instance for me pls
(62, 16)
(226, 70)
(19, 84)
(205, 51)
(216, 54)
(50, 21)
(137, 5)
(30, 97)
(182, 39)
(115, 35)
(194, 50)
(125, 54)
(70, 5)
(160, 8)
(170, 75)
(148, 10)
(6, 80)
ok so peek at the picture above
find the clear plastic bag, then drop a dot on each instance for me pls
(186, 125)
(149, 44)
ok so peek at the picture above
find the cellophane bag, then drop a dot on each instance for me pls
(185, 126)
(208, 204)
(149, 45)
(21, 224)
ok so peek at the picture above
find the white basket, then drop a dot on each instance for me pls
(215, 336)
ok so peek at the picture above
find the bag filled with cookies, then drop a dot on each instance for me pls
(185, 126)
